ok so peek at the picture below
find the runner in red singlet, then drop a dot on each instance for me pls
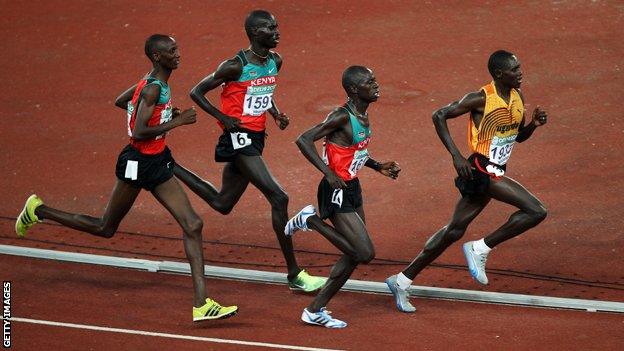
(347, 134)
(146, 163)
(249, 80)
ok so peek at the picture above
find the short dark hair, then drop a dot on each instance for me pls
(499, 60)
(252, 20)
(153, 42)
(352, 75)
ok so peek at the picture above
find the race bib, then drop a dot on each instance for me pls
(130, 110)
(258, 99)
(500, 149)
(337, 197)
(165, 116)
(240, 140)
(359, 159)
(132, 169)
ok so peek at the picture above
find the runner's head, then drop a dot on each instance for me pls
(261, 28)
(162, 50)
(359, 82)
(505, 68)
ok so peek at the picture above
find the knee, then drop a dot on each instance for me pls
(365, 256)
(107, 231)
(193, 226)
(539, 214)
(279, 199)
(454, 233)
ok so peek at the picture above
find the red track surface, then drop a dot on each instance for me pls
(65, 62)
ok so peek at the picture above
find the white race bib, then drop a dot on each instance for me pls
(132, 169)
(258, 99)
(337, 197)
(359, 159)
(500, 149)
(240, 140)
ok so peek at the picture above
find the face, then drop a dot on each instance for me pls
(512, 74)
(368, 88)
(168, 54)
(267, 33)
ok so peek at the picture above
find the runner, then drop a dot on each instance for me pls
(497, 121)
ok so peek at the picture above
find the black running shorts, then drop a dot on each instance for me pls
(144, 171)
(244, 142)
(345, 200)
(481, 179)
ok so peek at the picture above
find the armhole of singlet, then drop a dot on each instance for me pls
(243, 59)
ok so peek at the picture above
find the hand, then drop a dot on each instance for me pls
(188, 116)
(281, 120)
(175, 112)
(462, 166)
(390, 169)
(335, 181)
(540, 117)
(230, 123)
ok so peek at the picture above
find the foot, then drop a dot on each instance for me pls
(304, 281)
(323, 318)
(476, 263)
(27, 218)
(212, 310)
(401, 296)
(299, 220)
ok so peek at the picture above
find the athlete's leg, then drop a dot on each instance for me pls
(330, 233)
(172, 196)
(351, 226)
(531, 210)
(254, 169)
(119, 204)
(233, 186)
(466, 211)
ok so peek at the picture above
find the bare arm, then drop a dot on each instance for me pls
(538, 118)
(280, 118)
(334, 122)
(147, 101)
(474, 101)
(125, 97)
(227, 71)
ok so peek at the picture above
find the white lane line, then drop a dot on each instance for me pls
(165, 335)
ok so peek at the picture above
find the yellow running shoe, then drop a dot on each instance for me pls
(212, 310)
(27, 218)
(306, 282)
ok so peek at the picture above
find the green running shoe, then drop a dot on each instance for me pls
(27, 218)
(212, 310)
(306, 282)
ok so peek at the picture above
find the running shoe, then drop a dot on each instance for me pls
(304, 281)
(298, 222)
(401, 296)
(212, 310)
(476, 263)
(323, 318)
(27, 218)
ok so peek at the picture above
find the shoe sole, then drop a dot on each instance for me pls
(225, 316)
(322, 325)
(470, 260)
(394, 294)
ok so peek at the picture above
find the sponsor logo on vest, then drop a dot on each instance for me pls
(507, 127)
(262, 81)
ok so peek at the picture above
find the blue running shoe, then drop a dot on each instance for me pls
(323, 318)
(401, 296)
(298, 222)
(476, 263)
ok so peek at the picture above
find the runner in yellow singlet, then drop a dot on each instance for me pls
(497, 121)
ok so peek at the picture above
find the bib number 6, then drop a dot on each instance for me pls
(240, 140)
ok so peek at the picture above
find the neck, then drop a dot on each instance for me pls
(360, 105)
(160, 73)
(502, 89)
(259, 51)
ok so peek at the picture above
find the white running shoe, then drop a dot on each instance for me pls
(298, 222)
(476, 263)
(401, 296)
(323, 318)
